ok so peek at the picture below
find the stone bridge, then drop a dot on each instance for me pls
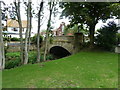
(66, 45)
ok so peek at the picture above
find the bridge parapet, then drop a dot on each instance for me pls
(70, 43)
(63, 39)
(66, 42)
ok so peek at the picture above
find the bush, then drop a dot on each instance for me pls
(13, 59)
(12, 63)
(118, 38)
(13, 54)
(32, 57)
(5, 39)
(15, 39)
(107, 36)
(34, 39)
(118, 35)
(49, 57)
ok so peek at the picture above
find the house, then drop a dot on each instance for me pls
(60, 30)
(12, 28)
(57, 32)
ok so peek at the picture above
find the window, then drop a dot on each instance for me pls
(15, 29)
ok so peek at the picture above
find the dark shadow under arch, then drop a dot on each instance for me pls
(59, 52)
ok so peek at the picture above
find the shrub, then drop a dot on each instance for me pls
(5, 39)
(12, 63)
(49, 57)
(32, 57)
(13, 54)
(41, 58)
(118, 38)
(32, 60)
(15, 39)
(107, 36)
(12, 60)
(118, 35)
(34, 39)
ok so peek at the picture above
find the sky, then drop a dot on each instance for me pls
(55, 19)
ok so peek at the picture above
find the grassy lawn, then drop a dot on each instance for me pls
(83, 70)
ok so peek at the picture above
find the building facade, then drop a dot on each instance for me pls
(12, 28)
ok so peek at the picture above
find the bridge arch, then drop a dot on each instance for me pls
(59, 51)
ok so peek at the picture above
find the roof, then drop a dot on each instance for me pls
(14, 23)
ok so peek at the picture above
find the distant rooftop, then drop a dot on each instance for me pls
(14, 23)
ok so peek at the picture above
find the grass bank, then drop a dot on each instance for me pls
(83, 70)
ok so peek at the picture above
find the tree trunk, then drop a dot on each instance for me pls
(46, 45)
(47, 32)
(29, 41)
(21, 45)
(38, 40)
(20, 31)
(2, 56)
(92, 31)
(51, 5)
(26, 34)
(38, 33)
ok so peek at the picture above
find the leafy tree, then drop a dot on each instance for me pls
(107, 36)
(90, 13)
(75, 29)
(72, 30)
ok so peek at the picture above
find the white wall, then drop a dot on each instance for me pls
(118, 31)
(17, 33)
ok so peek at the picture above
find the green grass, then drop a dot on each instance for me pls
(83, 70)
(0, 79)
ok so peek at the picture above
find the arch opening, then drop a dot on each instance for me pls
(59, 52)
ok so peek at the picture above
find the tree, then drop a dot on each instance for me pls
(30, 26)
(27, 32)
(51, 5)
(34, 39)
(17, 7)
(106, 37)
(2, 56)
(90, 13)
(38, 32)
(28, 6)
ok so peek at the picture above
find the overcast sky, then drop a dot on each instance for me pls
(56, 19)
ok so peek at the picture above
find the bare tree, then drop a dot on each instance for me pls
(17, 6)
(30, 12)
(2, 56)
(51, 5)
(30, 25)
(38, 32)
(27, 33)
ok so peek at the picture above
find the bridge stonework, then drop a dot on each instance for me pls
(70, 43)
